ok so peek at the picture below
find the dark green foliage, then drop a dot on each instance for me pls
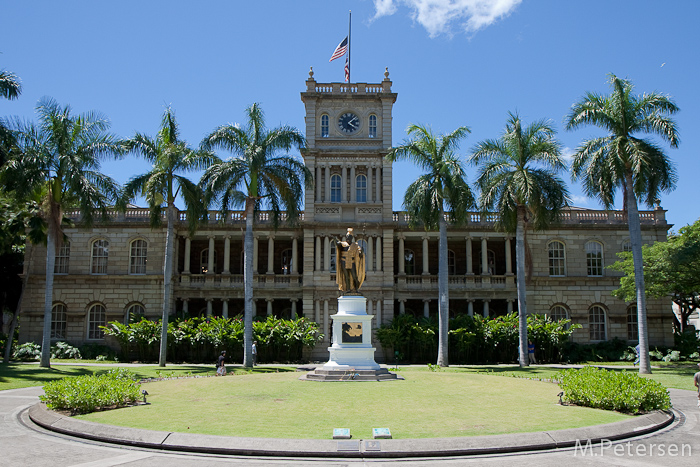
(84, 394)
(64, 350)
(610, 390)
(201, 339)
(92, 351)
(473, 339)
(687, 343)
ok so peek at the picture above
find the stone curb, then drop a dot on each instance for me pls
(386, 448)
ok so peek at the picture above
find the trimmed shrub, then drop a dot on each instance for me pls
(92, 351)
(611, 390)
(84, 394)
(65, 350)
(27, 352)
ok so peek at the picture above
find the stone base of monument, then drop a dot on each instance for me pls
(351, 355)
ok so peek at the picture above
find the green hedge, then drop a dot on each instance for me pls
(611, 390)
(201, 339)
(84, 394)
(473, 339)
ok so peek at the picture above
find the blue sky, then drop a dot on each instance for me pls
(453, 63)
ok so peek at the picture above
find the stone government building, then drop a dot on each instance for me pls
(115, 269)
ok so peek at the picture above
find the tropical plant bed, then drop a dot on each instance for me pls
(425, 405)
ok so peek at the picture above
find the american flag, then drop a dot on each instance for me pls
(347, 69)
(340, 50)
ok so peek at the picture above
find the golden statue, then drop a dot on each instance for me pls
(350, 264)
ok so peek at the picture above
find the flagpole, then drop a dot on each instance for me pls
(349, 42)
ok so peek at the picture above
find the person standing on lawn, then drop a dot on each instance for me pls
(221, 366)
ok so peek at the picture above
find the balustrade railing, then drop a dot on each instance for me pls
(237, 280)
(455, 282)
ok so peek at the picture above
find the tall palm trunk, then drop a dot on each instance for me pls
(636, 242)
(520, 271)
(48, 295)
(167, 282)
(443, 299)
(248, 285)
(13, 323)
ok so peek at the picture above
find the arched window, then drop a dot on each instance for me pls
(372, 126)
(100, 252)
(133, 313)
(451, 263)
(62, 257)
(361, 188)
(204, 261)
(557, 259)
(287, 261)
(138, 258)
(409, 262)
(632, 329)
(558, 312)
(594, 259)
(97, 316)
(58, 321)
(596, 323)
(335, 188)
(626, 245)
(324, 126)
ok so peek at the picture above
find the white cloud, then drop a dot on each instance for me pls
(580, 201)
(568, 154)
(441, 16)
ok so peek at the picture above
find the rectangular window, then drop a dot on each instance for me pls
(594, 259)
(372, 126)
(62, 257)
(97, 317)
(335, 188)
(100, 252)
(361, 188)
(58, 322)
(138, 257)
(556, 259)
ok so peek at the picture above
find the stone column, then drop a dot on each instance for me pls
(317, 181)
(486, 308)
(188, 247)
(211, 256)
(470, 267)
(426, 269)
(426, 308)
(255, 255)
(224, 307)
(209, 307)
(379, 313)
(402, 306)
(484, 256)
(369, 312)
(353, 184)
(294, 308)
(370, 194)
(269, 306)
(327, 254)
(369, 255)
(402, 256)
(295, 256)
(317, 311)
(318, 253)
(510, 305)
(185, 305)
(378, 253)
(227, 254)
(327, 169)
(326, 318)
(343, 183)
(378, 185)
(509, 260)
(470, 307)
(271, 254)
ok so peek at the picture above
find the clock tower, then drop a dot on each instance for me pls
(348, 133)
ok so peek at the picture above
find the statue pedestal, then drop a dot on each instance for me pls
(352, 336)
(351, 353)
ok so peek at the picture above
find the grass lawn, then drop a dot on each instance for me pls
(454, 402)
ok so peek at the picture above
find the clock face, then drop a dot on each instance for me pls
(348, 123)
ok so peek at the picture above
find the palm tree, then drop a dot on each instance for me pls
(60, 159)
(637, 166)
(10, 85)
(443, 189)
(518, 177)
(255, 177)
(161, 186)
